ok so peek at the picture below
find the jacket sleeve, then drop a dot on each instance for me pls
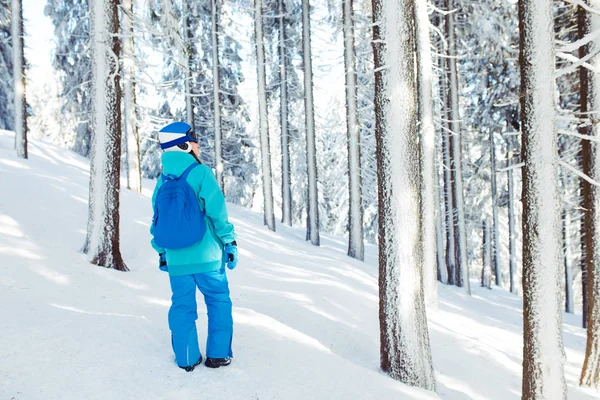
(158, 249)
(215, 207)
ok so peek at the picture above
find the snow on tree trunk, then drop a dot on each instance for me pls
(439, 235)
(462, 265)
(263, 122)
(188, 54)
(312, 223)
(487, 262)
(134, 171)
(104, 241)
(215, 9)
(405, 349)
(566, 221)
(543, 352)
(356, 246)
(427, 149)
(497, 265)
(19, 77)
(590, 374)
(511, 222)
(449, 214)
(583, 29)
(286, 171)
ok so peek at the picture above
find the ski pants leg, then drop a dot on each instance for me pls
(215, 288)
(182, 320)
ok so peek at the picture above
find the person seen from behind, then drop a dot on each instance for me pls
(195, 241)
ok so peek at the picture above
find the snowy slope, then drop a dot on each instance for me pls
(306, 318)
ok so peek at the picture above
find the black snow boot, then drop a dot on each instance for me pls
(217, 362)
(190, 368)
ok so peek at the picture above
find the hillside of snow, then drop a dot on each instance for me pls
(306, 318)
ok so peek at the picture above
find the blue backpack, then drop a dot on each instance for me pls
(178, 221)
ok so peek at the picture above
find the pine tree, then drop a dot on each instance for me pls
(130, 107)
(284, 111)
(543, 353)
(216, 83)
(590, 374)
(104, 246)
(19, 79)
(7, 118)
(312, 223)
(355, 215)
(455, 149)
(405, 350)
(585, 159)
(427, 149)
(269, 216)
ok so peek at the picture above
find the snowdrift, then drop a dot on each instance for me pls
(306, 318)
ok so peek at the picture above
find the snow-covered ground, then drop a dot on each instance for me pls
(306, 318)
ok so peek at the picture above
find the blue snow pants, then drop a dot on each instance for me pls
(183, 315)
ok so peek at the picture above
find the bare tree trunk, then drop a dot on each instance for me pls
(566, 222)
(442, 274)
(286, 171)
(462, 264)
(449, 215)
(312, 223)
(427, 148)
(188, 54)
(543, 352)
(487, 253)
(19, 77)
(511, 221)
(583, 29)
(134, 171)
(104, 241)
(405, 349)
(590, 374)
(267, 177)
(356, 247)
(496, 236)
(219, 169)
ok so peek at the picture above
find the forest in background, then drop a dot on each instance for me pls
(284, 97)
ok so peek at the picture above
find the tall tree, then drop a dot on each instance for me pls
(219, 168)
(269, 216)
(543, 353)
(462, 267)
(188, 37)
(511, 219)
(495, 229)
(286, 188)
(405, 349)
(487, 262)
(312, 223)
(585, 159)
(19, 79)
(104, 246)
(356, 246)
(7, 118)
(590, 374)
(130, 107)
(427, 148)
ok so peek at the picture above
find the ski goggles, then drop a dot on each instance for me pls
(190, 136)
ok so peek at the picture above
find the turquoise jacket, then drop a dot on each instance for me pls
(207, 254)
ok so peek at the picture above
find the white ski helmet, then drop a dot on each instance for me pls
(176, 137)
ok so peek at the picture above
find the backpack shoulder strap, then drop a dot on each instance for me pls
(188, 170)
